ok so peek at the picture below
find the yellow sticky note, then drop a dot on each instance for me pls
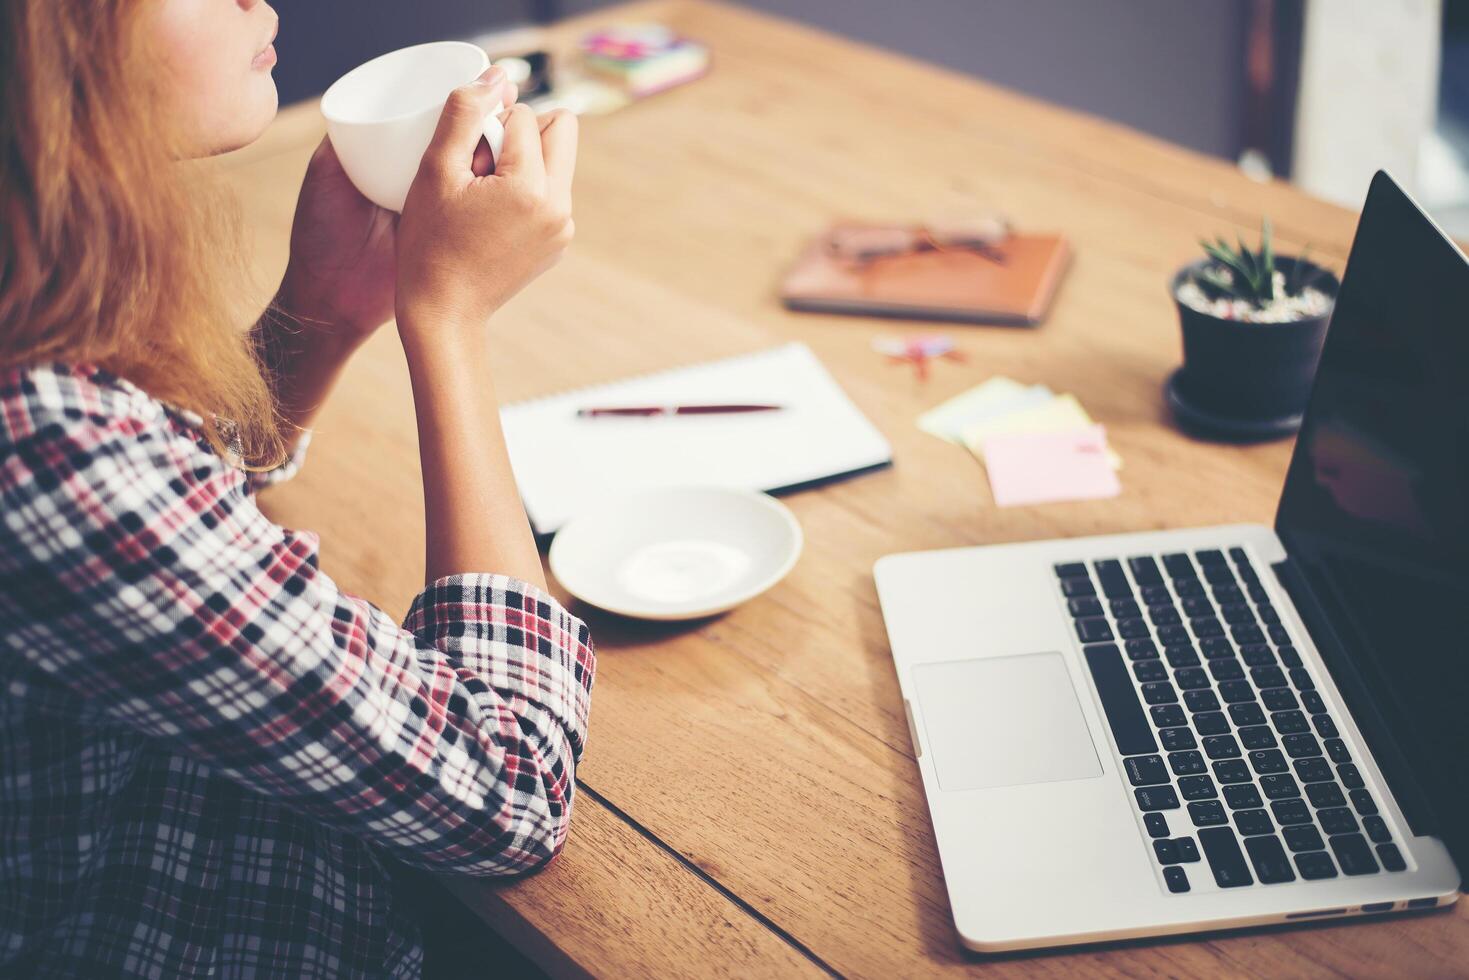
(1058, 414)
(994, 397)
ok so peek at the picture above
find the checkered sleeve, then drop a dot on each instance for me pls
(152, 586)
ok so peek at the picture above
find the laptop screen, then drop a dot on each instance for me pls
(1375, 510)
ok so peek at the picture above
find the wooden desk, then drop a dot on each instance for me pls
(749, 803)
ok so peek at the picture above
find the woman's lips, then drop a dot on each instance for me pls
(266, 57)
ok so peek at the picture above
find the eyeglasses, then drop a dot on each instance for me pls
(861, 246)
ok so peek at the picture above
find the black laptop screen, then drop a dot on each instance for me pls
(1376, 504)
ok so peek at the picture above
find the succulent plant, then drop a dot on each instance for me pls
(1249, 274)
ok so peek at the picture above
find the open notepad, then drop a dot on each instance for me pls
(564, 463)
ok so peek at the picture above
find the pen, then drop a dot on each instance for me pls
(648, 411)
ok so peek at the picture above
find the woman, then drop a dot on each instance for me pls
(210, 757)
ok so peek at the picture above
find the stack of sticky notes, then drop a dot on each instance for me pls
(642, 59)
(1037, 446)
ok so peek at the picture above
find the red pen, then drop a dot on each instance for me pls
(650, 411)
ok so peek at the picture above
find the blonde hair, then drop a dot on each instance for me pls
(114, 250)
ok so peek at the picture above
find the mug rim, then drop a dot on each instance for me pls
(338, 119)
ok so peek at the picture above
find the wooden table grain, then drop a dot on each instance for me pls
(749, 802)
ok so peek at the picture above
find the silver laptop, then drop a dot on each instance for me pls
(1176, 731)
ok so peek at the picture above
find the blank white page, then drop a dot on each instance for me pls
(564, 463)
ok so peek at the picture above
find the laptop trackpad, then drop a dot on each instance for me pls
(1004, 721)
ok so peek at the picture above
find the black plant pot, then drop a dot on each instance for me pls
(1246, 379)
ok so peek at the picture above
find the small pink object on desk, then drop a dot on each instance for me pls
(1046, 467)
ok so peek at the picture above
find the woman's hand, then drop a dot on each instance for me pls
(467, 243)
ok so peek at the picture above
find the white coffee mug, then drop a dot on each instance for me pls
(381, 116)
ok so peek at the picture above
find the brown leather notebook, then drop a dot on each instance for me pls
(905, 274)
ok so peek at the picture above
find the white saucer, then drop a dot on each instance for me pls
(676, 554)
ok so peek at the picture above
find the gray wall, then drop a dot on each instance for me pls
(1170, 67)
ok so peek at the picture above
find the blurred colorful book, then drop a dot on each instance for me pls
(642, 59)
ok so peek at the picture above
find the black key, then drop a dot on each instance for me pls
(1278, 698)
(1200, 701)
(1271, 865)
(1188, 851)
(1149, 670)
(1257, 592)
(1164, 615)
(1350, 777)
(1313, 702)
(1313, 770)
(1353, 854)
(1166, 850)
(1070, 569)
(1257, 737)
(1125, 608)
(1239, 557)
(1226, 670)
(1173, 635)
(1325, 726)
(1130, 729)
(1084, 607)
(1337, 751)
(1279, 787)
(1093, 629)
(1362, 802)
(1301, 678)
(1190, 678)
(1141, 650)
(1156, 798)
(1113, 579)
(1188, 587)
(1160, 692)
(1257, 655)
(1206, 627)
(1288, 655)
(1228, 593)
(1180, 655)
(1197, 788)
(1376, 828)
(1212, 556)
(1197, 605)
(1074, 587)
(1247, 633)
(1176, 878)
(1156, 823)
(1305, 838)
(1211, 723)
(1278, 635)
(1155, 595)
(1337, 820)
(1236, 613)
(1221, 747)
(1265, 610)
(1246, 714)
(1270, 676)
(1219, 575)
(1225, 858)
(1177, 739)
(1186, 763)
(1216, 648)
(1146, 770)
(1234, 692)
(1242, 797)
(1301, 746)
(1232, 771)
(1133, 629)
(1325, 794)
(1391, 858)
(1314, 865)
(1268, 761)
(1178, 565)
(1289, 722)
(1252, 822)
(1145, 570)
(1289, 813)
(1167, 715)
(1208, 813)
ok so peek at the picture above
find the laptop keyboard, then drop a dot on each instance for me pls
(1234, 761)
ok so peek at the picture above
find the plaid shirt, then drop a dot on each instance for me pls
(208, 752)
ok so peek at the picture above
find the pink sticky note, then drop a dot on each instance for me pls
(1042, 467)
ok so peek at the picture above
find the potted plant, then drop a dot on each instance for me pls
(1253, 325)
